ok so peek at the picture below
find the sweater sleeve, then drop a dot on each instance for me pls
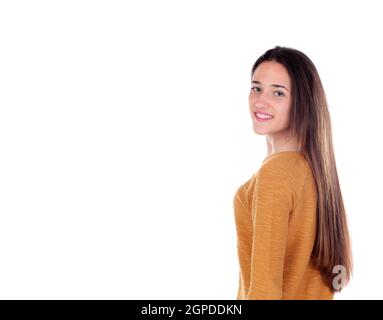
(272, 204)
(239, 292)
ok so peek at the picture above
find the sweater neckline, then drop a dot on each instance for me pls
(279, 153)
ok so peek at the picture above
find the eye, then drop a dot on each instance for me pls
(281, 93)
(253, 89)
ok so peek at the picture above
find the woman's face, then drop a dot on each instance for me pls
(267, 97)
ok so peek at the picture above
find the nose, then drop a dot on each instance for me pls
(259, 100)
(260, 107)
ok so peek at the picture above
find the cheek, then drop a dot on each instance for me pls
(286, 119)
(283, 116)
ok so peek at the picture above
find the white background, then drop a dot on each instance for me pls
(125, 132)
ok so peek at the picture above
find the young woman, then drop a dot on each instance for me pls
(292, 235)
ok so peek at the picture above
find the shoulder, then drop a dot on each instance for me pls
(289, 168)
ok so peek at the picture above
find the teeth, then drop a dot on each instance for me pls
(263, 116)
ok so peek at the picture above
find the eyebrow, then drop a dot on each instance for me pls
(273, 85)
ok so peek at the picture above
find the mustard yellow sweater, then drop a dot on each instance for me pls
(275, 217)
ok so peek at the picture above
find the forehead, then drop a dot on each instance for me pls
(271, 72)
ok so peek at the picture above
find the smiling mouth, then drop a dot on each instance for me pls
(262, 117)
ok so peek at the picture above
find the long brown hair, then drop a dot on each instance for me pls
(310, 124)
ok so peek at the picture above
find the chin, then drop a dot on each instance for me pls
(260, 131)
